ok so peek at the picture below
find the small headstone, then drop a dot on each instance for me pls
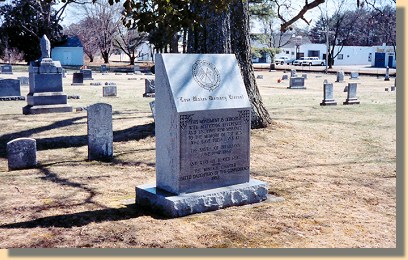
(10, 88)
(21, 153)
(64, 73)
(23, 81)
(386, 89)
(149, 88)
(387, 74)
(304, 76)
(95, 84)
(285, 77)
(100, 134)
(110, 91)
(87, 74)
(354, 75)
(74, 97)
(152, 108)
(110, 83)
(351, 95)
(77, 79)
(104, 68)
(297, 83)
(6, 69)
(340, 76)
(325, 81)
(328, 99)
(259, 77)
(395, 85)
(202, 128)
(292, 73)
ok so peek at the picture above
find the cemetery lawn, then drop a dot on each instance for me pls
(332, 168)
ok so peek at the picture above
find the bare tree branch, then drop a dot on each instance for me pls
(300, 15)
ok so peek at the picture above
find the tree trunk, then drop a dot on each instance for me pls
(174, 43)
(105, 56)
(260, 117)
(132, 60)
(228, 32)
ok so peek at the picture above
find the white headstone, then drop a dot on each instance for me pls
(100, 134)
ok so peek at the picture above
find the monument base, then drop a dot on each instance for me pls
(29, 110)
(328, 103)
(172, 205)
(351, 102)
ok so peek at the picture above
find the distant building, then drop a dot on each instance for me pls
(70, 52)
(383, 56)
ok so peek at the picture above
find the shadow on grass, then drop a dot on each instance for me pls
(84, 218)
(132, 133)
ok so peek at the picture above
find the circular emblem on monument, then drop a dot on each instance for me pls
(206, 74)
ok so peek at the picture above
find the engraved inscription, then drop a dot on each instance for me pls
(215, 149)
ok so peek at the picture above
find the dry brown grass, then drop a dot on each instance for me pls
(335, 167)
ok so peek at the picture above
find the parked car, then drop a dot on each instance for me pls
(299, 61)
(281, 60)
(313, 61)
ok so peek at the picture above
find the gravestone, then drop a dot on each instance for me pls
(95, 84)
(46, 92)
(21, 153)
(304, 76)
(87, 74)
(77, 79)
(395, 85)
(351, 95)
(325, 81)
(6, 69)
(354, 75)
(153, 109)
(104, 68)
(297, 83)
(259, 77)
(138, 73)
(149, 88)
(24, 80)
(100, 134)
(387, 74)
(292, 73)
(340, 76)
(203, 120)
(345, 89)
(10, 89)
(328, 99)
(110, 91)
(64, 73)
(285, 77)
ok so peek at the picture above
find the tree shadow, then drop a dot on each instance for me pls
(137, 132)
(84, 218)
